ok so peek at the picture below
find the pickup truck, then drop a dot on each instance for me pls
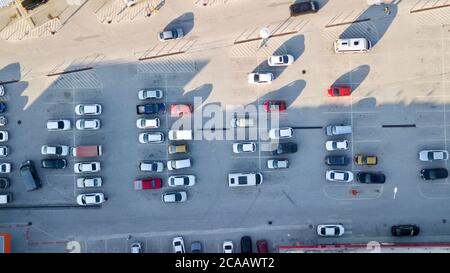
(87, 151)
(151, 108)
(147, 184)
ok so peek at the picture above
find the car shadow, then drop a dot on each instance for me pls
(295, 46)
(374, 29)
(185, 21)
(289, 93)
(353, 78)
(203, 92)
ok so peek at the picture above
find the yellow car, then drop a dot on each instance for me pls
(366, 160)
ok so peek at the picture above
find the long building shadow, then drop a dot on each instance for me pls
(353, 78)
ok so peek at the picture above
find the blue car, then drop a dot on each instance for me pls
(2, 107)
(151, 108)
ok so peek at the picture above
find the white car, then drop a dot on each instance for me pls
(333, 145)
(330, 230)
(91, 182)
(58, 125)
(59, 150)
(90, 199)
(280, 60)
(174, 197)
(244, 147)
(277, 164)
(147, 123)
(147, 94)
(339, 176)
(88, 109)
(242, 122)
(178, 245)
(279, 133)
(4, 151)
(129, 3)
(156, 166)
(181, 180)
(228, 247)
(136, 247)
(170, 34)
(88, 124)
(244, 179)
(3, 136)
(86, 167)
(2, 90)
(433, 155)
(5, 167)
(261, 78)
(154, 137)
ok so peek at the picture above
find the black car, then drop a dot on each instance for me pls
(432, 174)
(303, 8)
(336, 160)
(246, 244)
(405, 230)
(151, 108)
(2, 107)
(31, 4)
(285, 148)
(371, 178)
(54, 163)
(4, 183)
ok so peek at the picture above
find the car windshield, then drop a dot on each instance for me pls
(336, 91)
(285, 59)
(177, 197)
(60, 124)
(58, 150)
(161, 35)
(256, 77)
(153, 184)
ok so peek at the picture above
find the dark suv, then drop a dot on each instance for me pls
(303, 8)
(285, 148)
(371, 178)
(336, 160)
(29, 176)
(405, 230)
(4, 183)
(246, 244)
(54, 163)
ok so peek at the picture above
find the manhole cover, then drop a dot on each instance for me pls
(19, 122)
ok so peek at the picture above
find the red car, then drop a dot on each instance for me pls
(338, 91)
(177, 110)
(147, 184)
(274, 105)
(261, 245)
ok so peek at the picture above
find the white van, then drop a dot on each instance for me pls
(5, 198)
(355, 45)
(180, 134)
(244, 179)
(335, 130)
(178, 164)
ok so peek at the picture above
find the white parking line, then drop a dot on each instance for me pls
(366, 141)
(351, 112)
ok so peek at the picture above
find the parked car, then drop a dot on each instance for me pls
(2, 107)
(4, 183)
(433, 174)
(4, 136)
(5, 167)
(181, 109)
(148, 123)
(274, 106)
(244, 179)
(177, 149)
(178, 164)
(405, 230)
(178, 245)
(136, 247)
(29, 176)
(261, 246)
(151, 137)
(246, 244)
(242, 122)
(285, 148)
(196, 247)
(260, 78)
(334, 230)
(174, 197)
(86, 167)
(171, 34)
(244, 147)
(303, 8)
(433, 155)
(227, 247)
(58, 125)
(333, 145)
(148, 94)
(151, 166)
(6, 198)
(88, 109)
(339, 176)
(336, 160)
(54, 163)
(371, 178)
(180, 135)
(58, 150)
(3, 120)
(89, 182)
(90, 199)
(4, 151)
(335, 130)
(369, 160)
(2, 90)
(130, 3)
(280, 133)
(88, 124)
(339, 91)
(181, 180)
(280, 60)
(277, 164)
(151, 108)
(147, 184)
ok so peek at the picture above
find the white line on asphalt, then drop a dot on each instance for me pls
(349, 112)
(366, 141)
(443, 92)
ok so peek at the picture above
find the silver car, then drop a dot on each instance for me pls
(334, 230)
(147, 94)
(433, 155)
(170, 34)
(58, 150)
(88, 109)
(88, 124)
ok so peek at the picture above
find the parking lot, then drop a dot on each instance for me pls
(397, 108)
